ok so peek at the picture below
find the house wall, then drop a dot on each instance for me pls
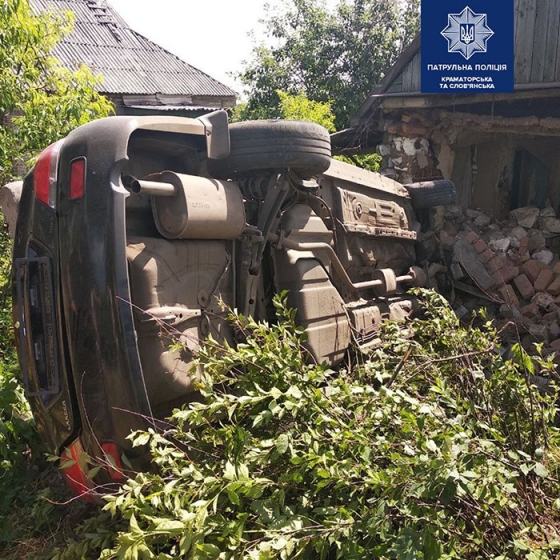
(481, 164)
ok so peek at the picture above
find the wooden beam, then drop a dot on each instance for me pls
(532, 126)
(423, 101)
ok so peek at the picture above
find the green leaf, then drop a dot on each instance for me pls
(541, 470)
(210, 550)
(282, 443)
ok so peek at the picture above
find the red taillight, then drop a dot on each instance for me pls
(45, 174)
(114, 468)
(77, 178)
(73, 463)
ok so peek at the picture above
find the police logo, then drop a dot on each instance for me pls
(467, 33)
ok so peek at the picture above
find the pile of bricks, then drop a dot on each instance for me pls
(512, 268)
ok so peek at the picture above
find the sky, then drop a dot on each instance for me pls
(212, 35)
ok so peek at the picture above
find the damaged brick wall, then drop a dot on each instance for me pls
(510, 267)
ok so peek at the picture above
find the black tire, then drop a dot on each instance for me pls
(429, 194)
(301, 146)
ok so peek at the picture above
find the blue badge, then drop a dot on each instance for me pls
(467, 46)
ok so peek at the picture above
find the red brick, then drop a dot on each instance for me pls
(543, 281)
(508, 295)
(498, 278)
(550, 317)
(554, 330)
(523, 245)
(555, 344)
(524, 286)
(530, 311)
(472, 237)
(508, 273)
(480, 246)
(531, 269)
(554, 287)
(486, 257)
(494, 265)
(505, 274)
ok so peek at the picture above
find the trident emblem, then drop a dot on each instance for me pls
(467, 33)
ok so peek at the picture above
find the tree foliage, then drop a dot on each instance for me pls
(329, 55)
(40, 101)
(294, 107)
(434, 448)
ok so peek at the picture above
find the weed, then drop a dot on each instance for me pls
(454, 457)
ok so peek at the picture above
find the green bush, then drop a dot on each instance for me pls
(434, 447)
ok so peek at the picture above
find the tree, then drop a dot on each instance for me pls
(336, 55)
(292, 107)
(40, 101)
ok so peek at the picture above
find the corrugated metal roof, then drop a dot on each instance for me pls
(129, 62)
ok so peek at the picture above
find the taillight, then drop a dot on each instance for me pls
(114, 467)
(45, 174)
(73, 463)
(77, 178)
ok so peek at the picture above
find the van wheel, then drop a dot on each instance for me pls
(429, 194)
(301, 146)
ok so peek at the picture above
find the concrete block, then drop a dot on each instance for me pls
(466, 254)
(545, 256)
(549, 225)
(526, 216)
(518, 233)
(500, 245)
(482, 221)
(544, 301)
(548, 212)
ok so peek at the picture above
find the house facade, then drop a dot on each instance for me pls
(139, 77)
(501, 150)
